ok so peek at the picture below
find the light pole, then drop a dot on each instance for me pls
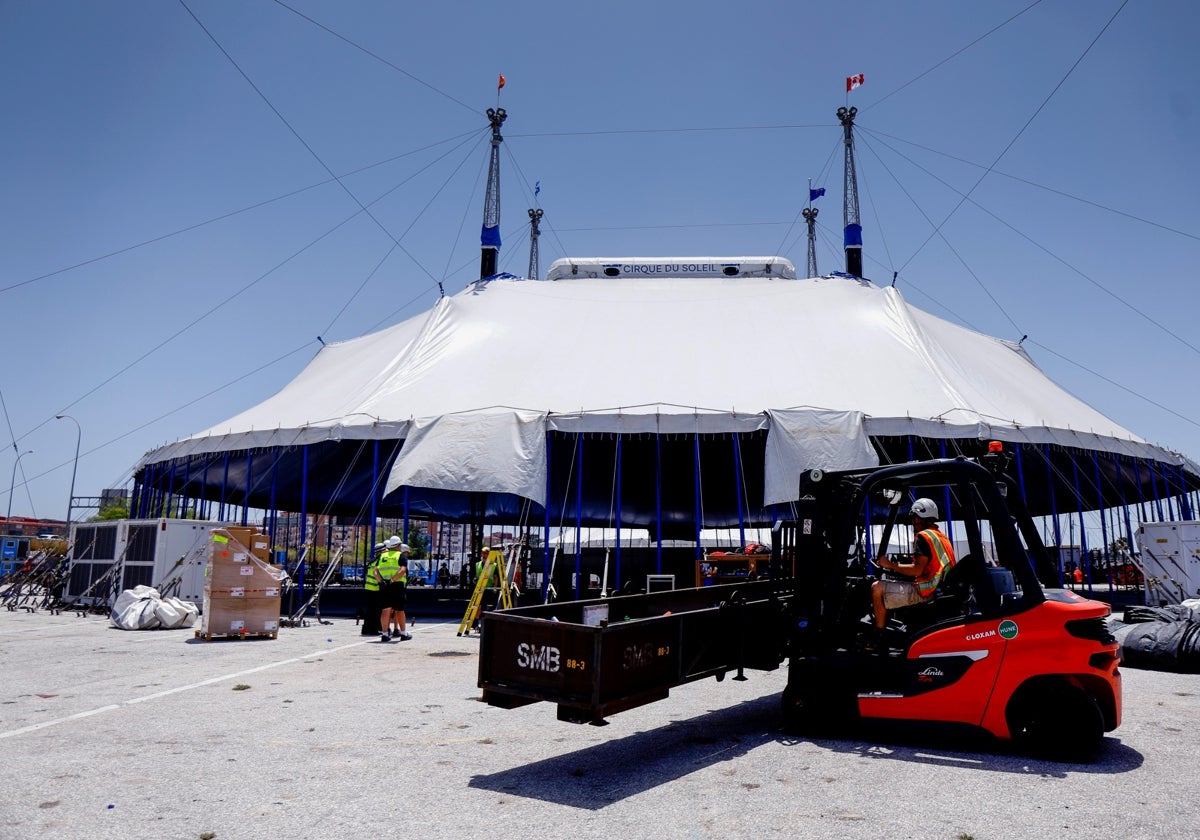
(13, 488)
(74, 469)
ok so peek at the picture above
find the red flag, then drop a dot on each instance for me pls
(501, 84)
(854, 81)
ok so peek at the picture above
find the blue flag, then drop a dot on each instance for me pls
(537, 188)
(813, 195)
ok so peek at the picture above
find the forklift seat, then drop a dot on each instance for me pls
(951, 598)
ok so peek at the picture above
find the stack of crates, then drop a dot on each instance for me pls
(242, 588)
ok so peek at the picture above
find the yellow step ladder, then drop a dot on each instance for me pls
(494, 563)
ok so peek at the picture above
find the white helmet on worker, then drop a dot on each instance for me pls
(392, 542)
(925, 509)
(404, 549)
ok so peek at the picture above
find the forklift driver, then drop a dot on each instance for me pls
(932, 556)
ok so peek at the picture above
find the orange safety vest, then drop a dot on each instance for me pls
(941, 559)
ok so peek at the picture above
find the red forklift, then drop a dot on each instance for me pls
(991, 649)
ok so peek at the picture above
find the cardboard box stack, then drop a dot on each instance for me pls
(241, 588)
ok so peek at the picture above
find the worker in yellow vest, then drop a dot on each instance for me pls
(392, 574)
(371, 601)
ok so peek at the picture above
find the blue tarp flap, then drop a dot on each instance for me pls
(490, 237)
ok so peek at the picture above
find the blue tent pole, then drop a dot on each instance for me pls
(579, 515)
(404, 535)
(1125, 508)
(246, 501)
(1084, 557)
(272, 520)
(224, 484)
(147, 489)
(617, 577)
(205, 505)
(946, 498)
(155, 492)
(1021, 475)
(658, 502)
(303, 523)
(1137, 473)
(1185, 502)
(375, 488)
(166, 509)
(1100, 501)
(1185, 511)
(1157, 502)
(737, 482)
(696, 489)
(1166, 494)
(187, 479)
(1054, 512)
(546, 522)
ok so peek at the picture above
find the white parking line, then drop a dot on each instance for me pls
(36, 726)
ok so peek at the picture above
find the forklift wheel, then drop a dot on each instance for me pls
(1058, 722)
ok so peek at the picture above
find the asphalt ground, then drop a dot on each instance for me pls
(323, 733)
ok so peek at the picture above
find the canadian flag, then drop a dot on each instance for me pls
(854, 81)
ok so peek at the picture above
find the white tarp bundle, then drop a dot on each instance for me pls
(475, 382)
(142, 608)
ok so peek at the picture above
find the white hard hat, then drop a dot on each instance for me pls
(392, 541)
(379, 546)
(925, 508)
(404, 548)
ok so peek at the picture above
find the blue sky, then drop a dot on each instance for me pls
(173, 243)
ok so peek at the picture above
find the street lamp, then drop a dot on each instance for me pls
(78, 437)
(13, 488)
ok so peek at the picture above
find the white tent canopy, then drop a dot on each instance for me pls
(475, 384)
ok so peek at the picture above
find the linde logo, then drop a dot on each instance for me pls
(538, 657)
(932, 671)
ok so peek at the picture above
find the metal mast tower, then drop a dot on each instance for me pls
(810, 218)
(535, 216)
(489, 239)
(852, 234)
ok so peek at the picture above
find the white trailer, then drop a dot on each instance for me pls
(1170, 561)
(164, 553)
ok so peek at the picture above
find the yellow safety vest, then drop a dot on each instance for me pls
(371, 583)
(387, 567)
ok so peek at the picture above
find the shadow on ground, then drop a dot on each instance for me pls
(599, 775)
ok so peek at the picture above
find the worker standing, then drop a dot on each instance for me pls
(372, 603)
(387, 571)
(397, 596)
